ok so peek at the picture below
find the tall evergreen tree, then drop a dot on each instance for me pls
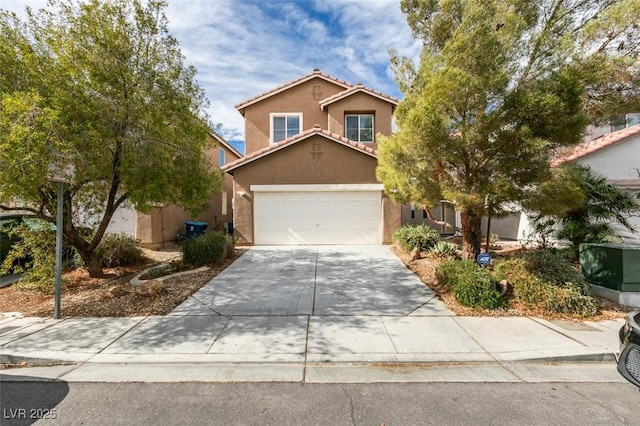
(500, 86)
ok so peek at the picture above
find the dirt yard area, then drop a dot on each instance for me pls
(112, 295)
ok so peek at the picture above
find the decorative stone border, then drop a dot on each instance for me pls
(136, 281)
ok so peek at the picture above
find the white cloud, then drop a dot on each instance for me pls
(242, 48)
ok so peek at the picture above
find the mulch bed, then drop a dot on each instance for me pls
(425, 269)
(111, 295)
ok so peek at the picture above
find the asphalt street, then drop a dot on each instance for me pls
(25, 403)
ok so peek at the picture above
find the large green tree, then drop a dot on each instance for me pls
(102, 87)
(501, 85)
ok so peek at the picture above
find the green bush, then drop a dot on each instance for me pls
(470, 284)
(527, 287)
(210, 247)
(569, 301)
(547, 280)
(444, 250)
(422, 236)
(33, 256)
(118, 250)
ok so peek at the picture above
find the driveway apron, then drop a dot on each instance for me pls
(314, 280)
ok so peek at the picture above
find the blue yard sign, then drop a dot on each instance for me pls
(484, 259)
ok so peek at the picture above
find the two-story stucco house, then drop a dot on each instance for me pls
(308, 176)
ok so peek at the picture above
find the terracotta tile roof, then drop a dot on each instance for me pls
(316, 73)
(224, 143)
(357, 89)
(597, 144)
(316, 130)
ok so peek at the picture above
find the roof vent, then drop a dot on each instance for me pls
(316, 70)
(317, 126)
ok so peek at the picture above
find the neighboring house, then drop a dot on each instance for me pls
(610, 150)
(308, 176)
(617, 157)
(622, 122)
(163, 223)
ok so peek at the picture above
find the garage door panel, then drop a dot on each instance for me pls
(349, 217)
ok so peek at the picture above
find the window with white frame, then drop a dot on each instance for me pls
(285, 125)
(221, 157)
(359, 127)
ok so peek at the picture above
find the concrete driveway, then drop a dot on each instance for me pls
(315, 280)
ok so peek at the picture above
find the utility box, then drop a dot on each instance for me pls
(195, 228)
(614, 266)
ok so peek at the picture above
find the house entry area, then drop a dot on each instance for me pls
(317, 214)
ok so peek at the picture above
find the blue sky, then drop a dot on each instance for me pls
(242, 48)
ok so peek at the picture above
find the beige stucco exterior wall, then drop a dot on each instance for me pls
(391, 218)
(292, 165)
(361, 103)
(162, 224)
(618, 161)
(303, 98)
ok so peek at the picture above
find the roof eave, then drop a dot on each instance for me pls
(229, 168)
(224, 143)
(328, 101)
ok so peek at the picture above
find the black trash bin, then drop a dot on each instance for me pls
(195, 228)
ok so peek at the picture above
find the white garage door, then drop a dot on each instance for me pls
(329, 217)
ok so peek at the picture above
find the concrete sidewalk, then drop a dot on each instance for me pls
(310, 314)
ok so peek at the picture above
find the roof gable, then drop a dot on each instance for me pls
(358, 88)
(224, 143)
(584, 149)
(316, 130)
(315, 74)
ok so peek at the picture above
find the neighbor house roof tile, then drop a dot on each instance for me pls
(597, 144)
(316, 130)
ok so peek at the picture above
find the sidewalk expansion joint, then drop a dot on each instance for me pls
(220, 333)
(500, 363)
(205, 305)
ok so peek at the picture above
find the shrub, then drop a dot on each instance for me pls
(470, 284)
(422, 236)
(118, 250)
(210, 247)
(545, 266)
(548, 280)
(444, 250)
(33, 256)
(527, 288)
(569, 301)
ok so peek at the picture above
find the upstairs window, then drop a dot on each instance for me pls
(359, 127)
(284, 126)
(221, 157)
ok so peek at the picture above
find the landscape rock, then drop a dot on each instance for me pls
(149, 288)
(111, 292)
(504, 286)
(415, 253)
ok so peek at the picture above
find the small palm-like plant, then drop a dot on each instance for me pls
(605, 207)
